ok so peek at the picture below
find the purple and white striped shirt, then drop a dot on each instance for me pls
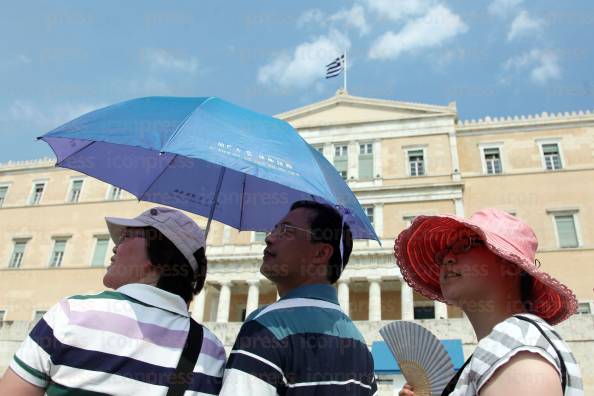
(120, 342)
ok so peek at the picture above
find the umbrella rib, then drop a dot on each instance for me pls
(181, 125)
(75, 152)
(241, 201)
(215, 200)
(157, 178)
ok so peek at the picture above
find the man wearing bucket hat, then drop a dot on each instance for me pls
(138, 339)
(486, 266)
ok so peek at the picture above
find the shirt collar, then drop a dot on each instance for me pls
(319, 292)
(155, 297)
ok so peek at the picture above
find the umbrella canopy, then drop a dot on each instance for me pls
(206, 156)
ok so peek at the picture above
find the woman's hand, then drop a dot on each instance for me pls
(406, 390)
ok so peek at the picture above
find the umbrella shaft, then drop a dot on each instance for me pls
(215, 200)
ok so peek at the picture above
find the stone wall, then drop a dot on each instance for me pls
(578, 331)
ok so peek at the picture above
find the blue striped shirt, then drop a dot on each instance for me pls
(124, 342)
(302, 344)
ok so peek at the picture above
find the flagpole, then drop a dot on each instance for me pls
(345, 71)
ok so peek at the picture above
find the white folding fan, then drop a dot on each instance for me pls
(423, 360)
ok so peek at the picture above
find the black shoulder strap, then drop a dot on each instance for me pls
(454, 381)
(561, 362)
(180, 381)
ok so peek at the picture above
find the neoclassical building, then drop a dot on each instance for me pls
(401, 160)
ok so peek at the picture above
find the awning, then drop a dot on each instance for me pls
(385, 363)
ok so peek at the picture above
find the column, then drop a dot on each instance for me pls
(378, 219)
(252, 297)
(226, 234)
(459, 205)
(441, 310)
(353, 162)
(343, 295)
(224, 302)
(454, 155)
(377, 158)
(198, 310)
(329, 152)
(406, 301)
(375, 299)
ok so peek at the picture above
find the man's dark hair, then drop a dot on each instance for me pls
(326, 227)
(176, 276)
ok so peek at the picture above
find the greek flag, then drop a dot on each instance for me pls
(334, 68)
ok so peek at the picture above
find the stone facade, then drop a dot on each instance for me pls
(401, 160)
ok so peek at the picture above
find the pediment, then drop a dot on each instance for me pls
(344, 109)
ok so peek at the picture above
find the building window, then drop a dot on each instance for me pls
(492, 158)
(584, 308)
(58, 253)
(115, 193)
(2, 315)
(3, 192)
(101, 245)
(18, 252)
(259, 236)
(369, 212)
(75, 189)
(319, 148)
(551, 156)
(36, 194)
(416, 162)
(566, 230)
(366, 161)
(341, 160)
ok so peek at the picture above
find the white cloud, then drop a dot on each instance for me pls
(47, 116)
(523, 25)
(306, 64)
(315, 16)
(355, 18)
(431, 30)
(164, 60)
(397, 10)
(543, 65)
(503, 8)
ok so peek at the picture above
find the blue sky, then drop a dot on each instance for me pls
(493, 57)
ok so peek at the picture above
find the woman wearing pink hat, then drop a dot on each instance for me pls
(486, 266)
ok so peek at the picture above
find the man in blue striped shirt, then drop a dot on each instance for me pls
(304, 343)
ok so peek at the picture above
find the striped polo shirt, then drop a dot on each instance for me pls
(303, 344)
(124, 342)
(507, 339)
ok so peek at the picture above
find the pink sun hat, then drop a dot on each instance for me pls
(503, 234)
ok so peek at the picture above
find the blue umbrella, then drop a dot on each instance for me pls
(206, 156)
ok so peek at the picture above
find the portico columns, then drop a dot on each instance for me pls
(343, 295)
(441, 310)
(252, 298)
(224, 302)
(375, 299)
(406, 301)
(198, 310)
